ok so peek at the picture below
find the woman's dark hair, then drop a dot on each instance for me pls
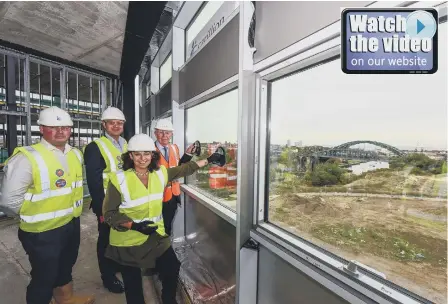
(128, 163)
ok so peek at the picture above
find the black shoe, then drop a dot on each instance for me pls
(149, 272)
(114, 285)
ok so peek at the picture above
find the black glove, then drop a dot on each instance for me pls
(218, 158)
(143, 227)
(197, 148)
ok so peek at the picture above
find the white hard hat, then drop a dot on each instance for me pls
(54, 117)
(164, 124)
(113, 113)
(141, 142)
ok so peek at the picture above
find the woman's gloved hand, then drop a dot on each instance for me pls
(218, 158)
(143, 227)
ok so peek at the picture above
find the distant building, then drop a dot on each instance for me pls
(298, 143)
(288, 143)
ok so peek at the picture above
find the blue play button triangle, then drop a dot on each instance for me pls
(420, 26)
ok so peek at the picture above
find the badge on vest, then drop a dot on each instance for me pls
(59, 172)
(120, 162)
(60, 183)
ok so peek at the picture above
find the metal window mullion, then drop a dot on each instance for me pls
(77, 92)
(79, 135)
(102, 96)
(20, 91)
(38, 85)
(91, 96)
(63, 84)
(27, 87)
(246, 293)
(51, 86)
(91, 107)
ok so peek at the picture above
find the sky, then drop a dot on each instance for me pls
(324, 106)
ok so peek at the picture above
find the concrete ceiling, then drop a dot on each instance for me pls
(90, 33)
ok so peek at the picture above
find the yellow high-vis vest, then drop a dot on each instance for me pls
(139, 203)
(112, 157)
(56, 196)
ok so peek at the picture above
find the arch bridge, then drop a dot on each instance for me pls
(344, 151)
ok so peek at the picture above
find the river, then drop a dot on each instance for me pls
(368, 166)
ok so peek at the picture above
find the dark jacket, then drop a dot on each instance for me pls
(95, 165)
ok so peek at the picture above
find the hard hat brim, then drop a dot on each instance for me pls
(54, 125)
(165, 129)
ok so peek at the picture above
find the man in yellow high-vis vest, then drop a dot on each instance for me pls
(43, 185)
(102, 157)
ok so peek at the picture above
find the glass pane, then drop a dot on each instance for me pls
(72, 93)
(45, 86)
(96, 130)
(214, 129)
(56, 86)
(84, 104)
(3, 137)
(95, 107)
(20, 86)
(108, 92)
(166, 71)
(358, 167)
(201, 20)
(2, 80)
(35, 133)
(34, 86)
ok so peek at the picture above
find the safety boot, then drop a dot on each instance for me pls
(64, 295)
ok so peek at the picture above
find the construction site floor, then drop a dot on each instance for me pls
(15, 267)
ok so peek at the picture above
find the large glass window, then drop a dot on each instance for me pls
(206, 13)
(166, 71)
(358, 166)
(215, 123)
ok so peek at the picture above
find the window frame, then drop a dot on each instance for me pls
(317, 49)
(195, 18)
(187, 16)
(202, 197)
(161, 86)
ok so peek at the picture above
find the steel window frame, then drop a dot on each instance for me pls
(63, 70)
(318, 48)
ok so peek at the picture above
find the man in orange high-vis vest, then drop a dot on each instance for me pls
(169, 157)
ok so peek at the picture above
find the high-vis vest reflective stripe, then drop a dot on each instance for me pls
(139, 203)
(78, 187)
(173, 188)
(112, 157)
(56, 196)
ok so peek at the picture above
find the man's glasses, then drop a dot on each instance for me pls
(165, 132)
(63, 129)
(115, 123)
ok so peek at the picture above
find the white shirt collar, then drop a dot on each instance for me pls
(120, 141)
(49, 146)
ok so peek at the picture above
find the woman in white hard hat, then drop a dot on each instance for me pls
(133, 208)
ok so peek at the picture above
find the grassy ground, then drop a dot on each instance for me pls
(405, 239)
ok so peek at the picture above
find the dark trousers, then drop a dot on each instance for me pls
(169, 212)
(52, 255)
(167, 266)
(108, 268)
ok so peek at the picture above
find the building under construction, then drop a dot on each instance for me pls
(280, 223)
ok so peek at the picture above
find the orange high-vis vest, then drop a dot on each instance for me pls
(173, 188)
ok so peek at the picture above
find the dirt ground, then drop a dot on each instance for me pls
(406, 239)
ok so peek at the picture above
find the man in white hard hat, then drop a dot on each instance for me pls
(102, 157)
(43, 186)
(163, 131)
